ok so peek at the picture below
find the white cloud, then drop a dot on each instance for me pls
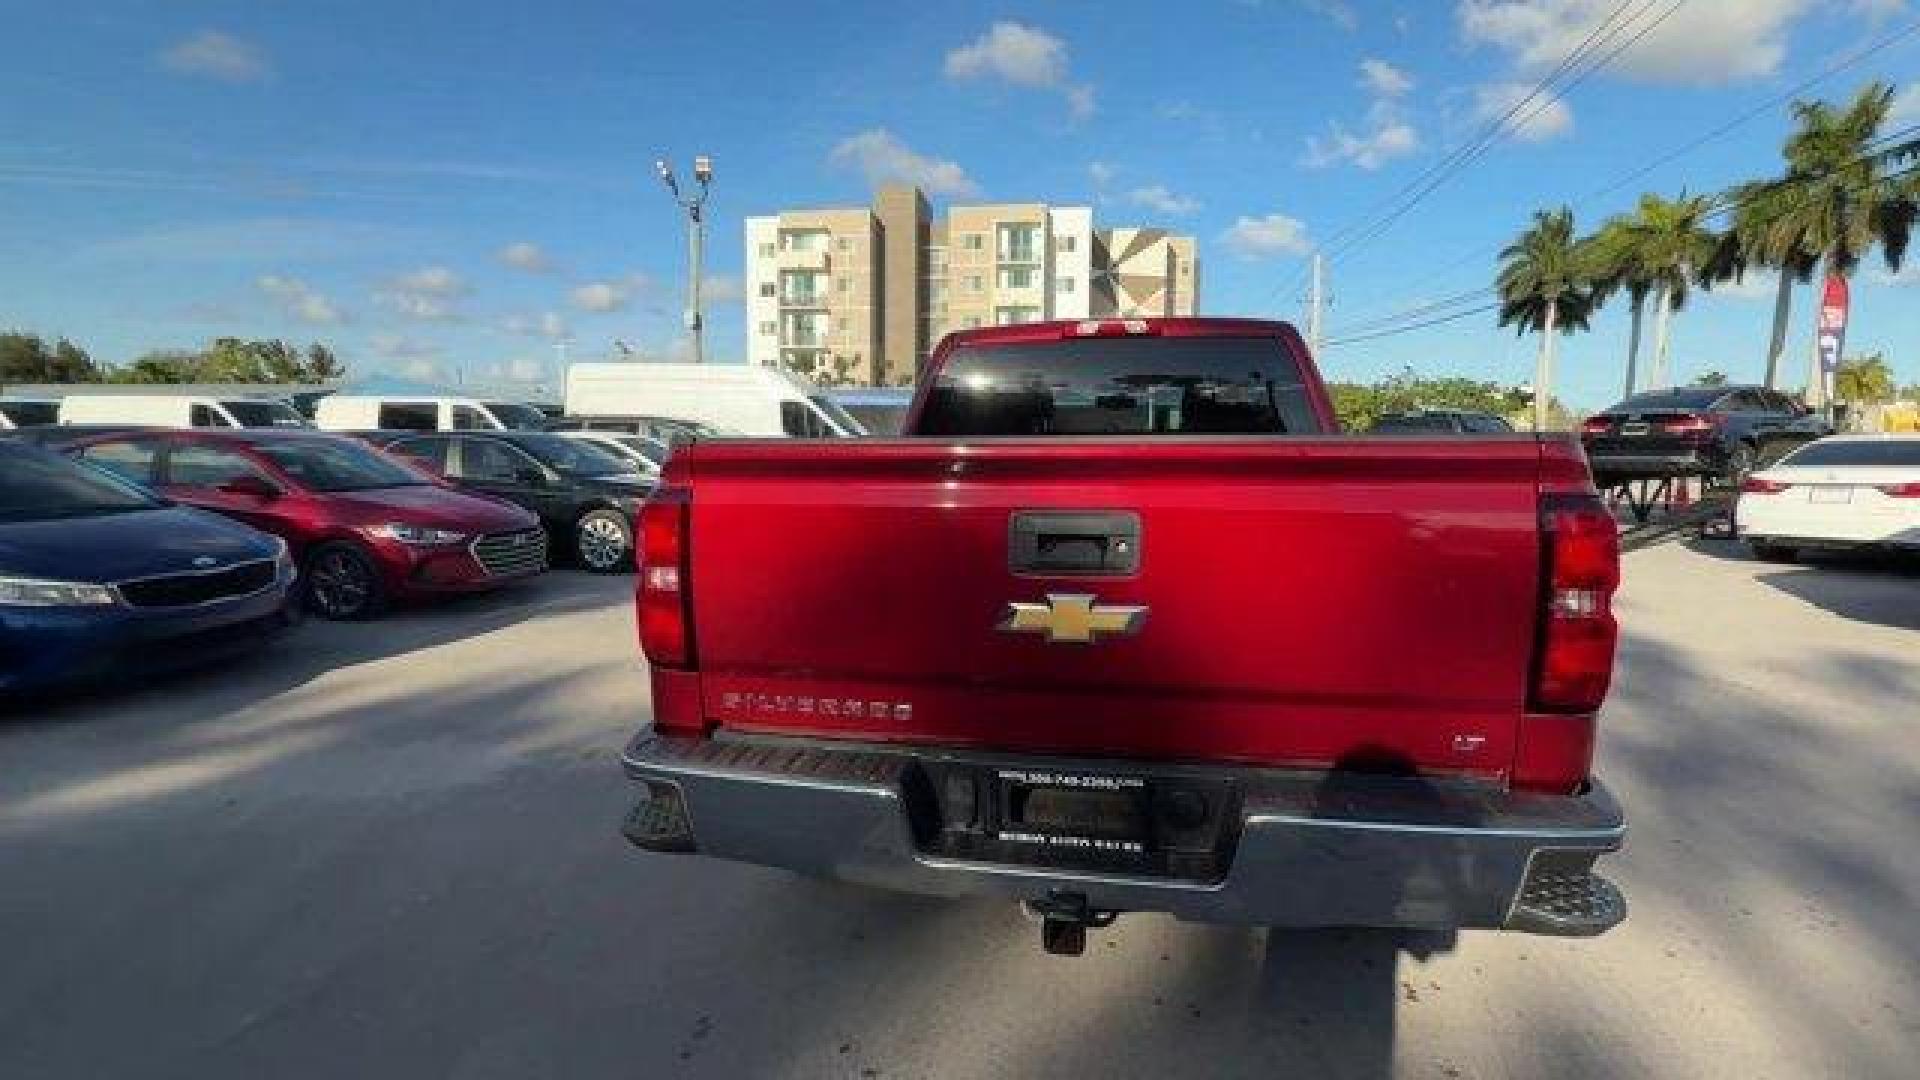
(1546, 116)
(1339, 11)
(299, 300)
(1908, 275)
(1266, 237)
(1158, 199)
(614, 294)
(1383, 79)
(1023, 56)
(720, 288)
(1101, 173)
(1384, 138)
(525, 256)
(217, 55)
(1906, 106)
(421, 368)
(1703, 42)
(1384, 134)
(881, 158)
(427, 294)
(402, 347)
(549, 324)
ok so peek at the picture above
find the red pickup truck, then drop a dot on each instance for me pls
(1124, 624)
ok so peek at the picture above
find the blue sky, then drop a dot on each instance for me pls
(442, 190)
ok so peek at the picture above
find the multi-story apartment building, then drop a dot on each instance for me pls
(861, 294)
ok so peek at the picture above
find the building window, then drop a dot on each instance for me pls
(1066, 285)
(766, 251)
(768, 288)
(840, 284)
(973, 322)
(803, 240)
(768, 329)
(1185, 269)
(1016, 277)
(1066, 244)
(844, 243)
(974, 241)
(803, 330)
(937, 258)
(801, 286)
(1019, 243)
(1013, 316)
(936, 292)
(974, 283)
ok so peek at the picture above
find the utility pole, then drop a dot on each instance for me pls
(560, 348)
(695, 206)
(1316, 301)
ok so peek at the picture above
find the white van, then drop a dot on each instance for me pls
(19, 412)
(180, 411)
(756, 401)
(367, 412)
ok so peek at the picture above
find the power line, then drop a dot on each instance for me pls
(1838, 65)
(1423, 324)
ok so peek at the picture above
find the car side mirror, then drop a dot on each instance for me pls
(254, 487)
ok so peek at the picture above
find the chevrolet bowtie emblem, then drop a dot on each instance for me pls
(1073, 618)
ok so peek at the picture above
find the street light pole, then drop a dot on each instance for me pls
(695, 206)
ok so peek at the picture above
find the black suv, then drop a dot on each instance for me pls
(588, 499)
(1713, 431)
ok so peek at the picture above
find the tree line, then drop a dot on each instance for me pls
(29, 358)
(1848, 186)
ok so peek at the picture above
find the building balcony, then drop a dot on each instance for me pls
(802, 260)
(817, 299)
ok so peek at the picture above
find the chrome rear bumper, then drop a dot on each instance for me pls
(1312, 848)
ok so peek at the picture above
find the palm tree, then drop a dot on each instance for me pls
(1763, 235)
(1845, 192)
(1618, 265)
(1546, 285)
(1672, 245)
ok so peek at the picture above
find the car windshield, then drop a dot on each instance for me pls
(517, 417)
(1120, 386)
(30, 413)
(39, 486)
(265, 414)
(324, 464)
(843, 419)
(1856, 454)
(654, 452)
(1687, 397)
(574, 457)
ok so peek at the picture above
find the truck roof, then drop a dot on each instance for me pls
(1060, 329)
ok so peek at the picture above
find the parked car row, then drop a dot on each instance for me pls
(139, 546)
(1718, 432)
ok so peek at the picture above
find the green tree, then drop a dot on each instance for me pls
(1671, 246)
(161, 367)
(1845, 191)
(322, 365)
(28, 358)
(1864, 380)
(1711, 378)
(1763, 234)
(1546, 286)
(1619, 263)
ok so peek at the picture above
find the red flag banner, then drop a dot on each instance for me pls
(1833, 322)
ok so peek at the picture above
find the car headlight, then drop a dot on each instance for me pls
(283, 566)
(419, 535)
(29, 592)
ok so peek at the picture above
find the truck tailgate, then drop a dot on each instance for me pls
(1306, 601)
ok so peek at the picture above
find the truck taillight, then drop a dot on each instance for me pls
(664, 597)
(1596, 425)
(1573, 664)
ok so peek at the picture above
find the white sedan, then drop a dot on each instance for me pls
(1848, 491)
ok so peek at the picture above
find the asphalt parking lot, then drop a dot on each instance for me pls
(390, 850)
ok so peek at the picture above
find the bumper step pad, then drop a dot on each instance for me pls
(659, 822)
(1567, 901)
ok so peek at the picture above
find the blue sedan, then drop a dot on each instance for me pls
(99, 577)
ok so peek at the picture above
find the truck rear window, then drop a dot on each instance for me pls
(1119, 386)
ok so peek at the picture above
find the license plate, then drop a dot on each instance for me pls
(1633, 429)
(1830, 494)
(1076, 812)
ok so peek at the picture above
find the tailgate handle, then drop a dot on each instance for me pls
(1066, 543)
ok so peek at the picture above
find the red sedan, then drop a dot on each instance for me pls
(367, 530)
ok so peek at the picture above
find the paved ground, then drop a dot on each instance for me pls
(390, 850)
